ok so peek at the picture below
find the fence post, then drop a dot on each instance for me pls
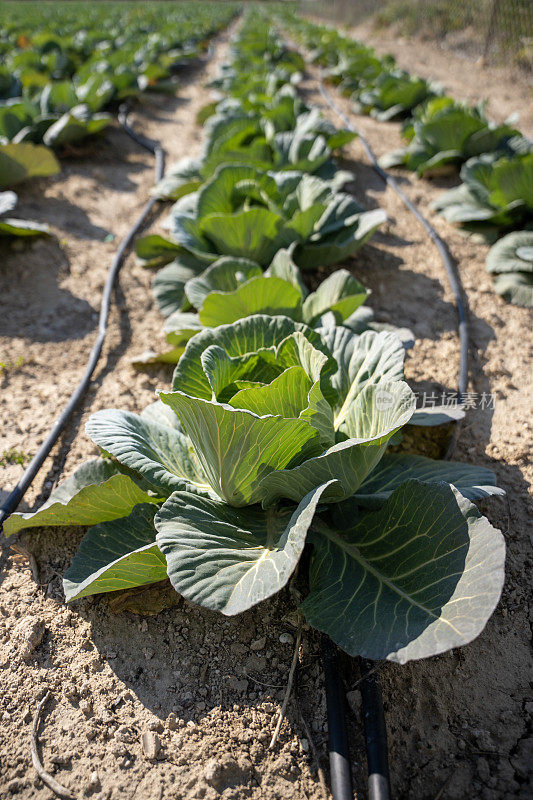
(491, 30)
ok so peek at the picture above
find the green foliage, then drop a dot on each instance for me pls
(10, 226)
(245, 212)
(496, 194)
(18, 162)
(13, 456)
(511, 259)
(269, 425)
(393, 94)
(63, 64)
(497, 162)
(444, 134)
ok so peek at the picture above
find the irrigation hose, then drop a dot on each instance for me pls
(14, 498)
(375, 733)
(374, 717)
(339, 748)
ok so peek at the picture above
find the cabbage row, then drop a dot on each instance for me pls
(275, 434)
(61, 66)
(496, 193)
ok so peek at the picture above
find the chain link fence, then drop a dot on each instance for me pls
(496, 30)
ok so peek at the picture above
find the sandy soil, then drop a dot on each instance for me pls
(203, 689)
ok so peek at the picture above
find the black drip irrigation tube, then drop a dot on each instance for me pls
(374, 718)
(14, 498)
(339, 747)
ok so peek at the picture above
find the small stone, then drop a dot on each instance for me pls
(226, 771)
(27, 716)
(483, 740)
(123, 734)
(172, 721)
(71, 691)
(354, 700)
(286, 638)
(151, 744)
(29, 633)
(238, 649)
(86, 707)
(155, 725)
(237, 685)
(258, 644)
(304, 744)
(60, 760)
(93, 785)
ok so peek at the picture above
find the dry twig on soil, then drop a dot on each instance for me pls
(47, 779)
(288, 692)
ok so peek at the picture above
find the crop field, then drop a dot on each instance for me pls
(265, 408)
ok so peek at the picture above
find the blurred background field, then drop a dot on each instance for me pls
(497, 31)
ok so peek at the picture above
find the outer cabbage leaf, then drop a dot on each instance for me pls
(512, 253)
(516, 287)
(229, 559)
(18, 162)
(416, 578)
(264, 295)
(96, 492)
(169, 284)
(158, 452)
(340, 293)
(225, 275)
(333, 248)
(474, 482)
(120, 554)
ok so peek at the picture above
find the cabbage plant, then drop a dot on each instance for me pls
(245, 212)
(235, 137)
(393, 94)
(233, 288)
(496, 193)
(273, 437)
(23, 120)
(511, 260)
(443, 134)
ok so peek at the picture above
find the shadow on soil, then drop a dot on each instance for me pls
(70, 218)
(39, 309)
